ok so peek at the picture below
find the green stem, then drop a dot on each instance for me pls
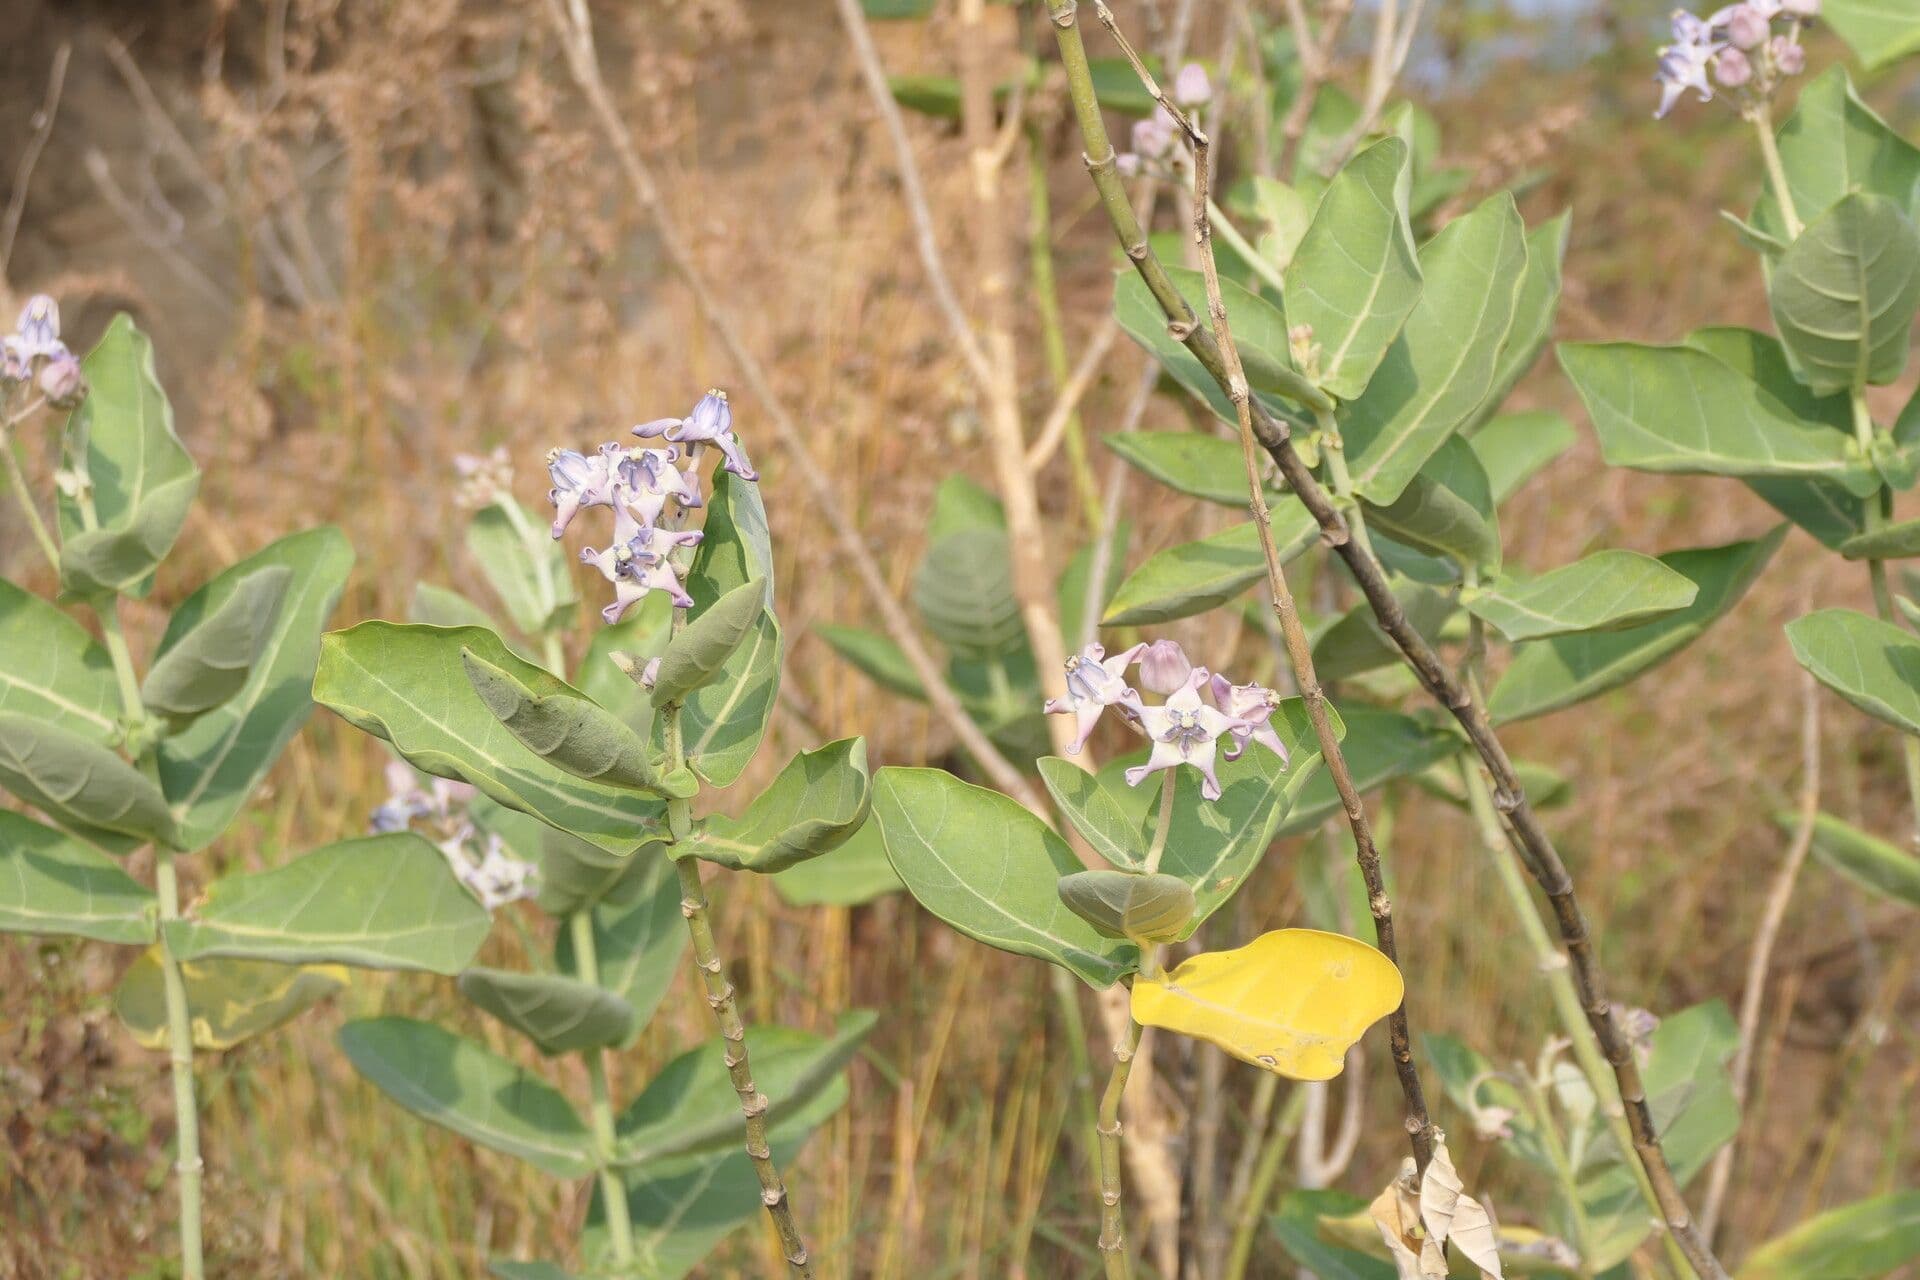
(188, 1167)
(1762, 119)
(1053, 338)
(1285, 1125)
(1552, 965)
(1113, 1213)
(613, 1189)
(25, 495)
(1879, 511)
(1334, 450)
(1556, 1151)
(720, 998)
(535, 542)
(1256, 261)
(1163, 824)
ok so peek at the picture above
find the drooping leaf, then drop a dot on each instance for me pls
(1894, 542)
(1864, 1240)
(228, 1001)
(377, 902)
(1515, 447)
(1606, 591)
(1447, 509)
(1557, 672)
(1355, 276)
(701, 649)
(1677, 409)
(527, 570)
(1439, 369)
(1292, 1001)
(854, 874)
(875, 656)
(141, 479)
(51, 883)
(559, 1014)
(988, 867)
(1151, 907)
(1844, 294)
(561, 725)
(1197, 576)
(454, 1083)
(1201, 466)
(406, 684)
(53, 669)
(818, 801)
(1870, 862)
(690, 1109)
(210, 769)
(1874, 665)
(214, 657)
(79, 783)
(638, 936)
(1380, 746)
(1832, 144)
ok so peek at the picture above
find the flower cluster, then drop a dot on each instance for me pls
(1156, 139)
(1739, 44)
(1186, 727)
(637, 484)
(34, 352)
(484, 867)
(485, 478)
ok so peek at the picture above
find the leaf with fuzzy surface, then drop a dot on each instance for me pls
(1844, 295)
(1606, 591)
(215, 656)
(1874, 665)
(52, 884)
(818, 801)
(78, 783)
(559, 1014)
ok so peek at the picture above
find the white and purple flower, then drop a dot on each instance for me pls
(1094, 683)
(711, 422)
(1186, 730)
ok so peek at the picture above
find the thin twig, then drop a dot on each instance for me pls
(1779, 896)
(1419, 1124)
(42, 123)
(574, 25)
(1536, 846)
(1067, 402)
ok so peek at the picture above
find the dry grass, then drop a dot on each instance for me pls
(451, 264)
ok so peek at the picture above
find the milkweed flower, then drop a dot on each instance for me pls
(1192, 88)
(1094, 683)
(497, 877)
(578, 481)
(35, 345)
(1185, 730)
(1684, 63)
(1164, 667)
(1252, 706)
(711, 422)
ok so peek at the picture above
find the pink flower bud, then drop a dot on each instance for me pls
(60, 379)
(1164, 668)
(1747, 27)
(1789, 57)
(1732, 69)
(1801, 8)
(1191, 87)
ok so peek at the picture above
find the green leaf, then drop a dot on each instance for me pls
(54, 671)
(407, 684)
(690, 1109)
(1447, 509)
(937, 96)
(813, 806)
(215, 656)
(1874, 665)
(210, 769)
(1533, 313)
(721, 724)
(1440, 368)
(987, 867)
(575, 874)
(1287, 213)
(527, 570)
(457, 1084)
(964, 592)
(1867, 860)
(1549, 674)
(1677, 409)
(228, 1001)
(142, 479)
(875, 656)
(962, 503)
(1097, 808)
(638, 936)
(1121, 904)
(1355, 276)
(700, 651)
(1880, 31)
(1355, 644)
(1515, 447)
(78, 783)
(1379, 746)
(377, 902)
(559, 1014)
(1197, 576)
(1860, 1241)
(51, 883)
(851, 876)
(1894, 542)
(561, 725)
(502, 1269)
(1606, 591)
(736, 546)
(1079, 608)
(1844, 294)
(880, 10)
(1834, 144)
(1190, 462)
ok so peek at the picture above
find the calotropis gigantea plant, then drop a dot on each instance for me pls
(593, 786)
(118, 759)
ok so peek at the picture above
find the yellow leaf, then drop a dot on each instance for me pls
(1292, 1001)
(228, 1000)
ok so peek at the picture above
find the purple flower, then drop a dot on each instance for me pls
(1747, 26)
(634, 571)
(1185, 731)
(1191, 87)
(1683, 65)
(1164, 668)
(1788, 56)
(1252, 706)
(645, 478)
(1094, 683)
(711, 422)
(407, 801)
(498, 878)
(38, 333)
(1732, 68)
(1153, 137)
(578, 481)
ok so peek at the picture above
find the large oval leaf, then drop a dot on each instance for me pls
(1211, 468)
(1292, 1001)
(406, 684)
(638, 936)
(1515, 447)
(1447, 509)
(988, 867)
(1832, 144)
(215, 656)
(813, 806)
(53, 669)
(1604, 592)
(1844, 293)
(79, 783)
(1533, 312)
(562, 726)
(1874, 665)
(1860, 1241)
(527, 569)
(559, 1014)
(1197, 576)
(1870, 862)
(457, 1084)
(377, 902)
(51, 883)
(701, 649)
(228, 1001)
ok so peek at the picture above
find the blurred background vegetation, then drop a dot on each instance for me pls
(369, 234)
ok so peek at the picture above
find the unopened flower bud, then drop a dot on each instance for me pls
(1801, 8)
(60, 379)
(1747, 27)
(1788, 57)
(1164, 668)
(1191, 87)
(39, 327)
(1732, 68)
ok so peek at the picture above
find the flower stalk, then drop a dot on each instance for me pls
(613, 1191)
